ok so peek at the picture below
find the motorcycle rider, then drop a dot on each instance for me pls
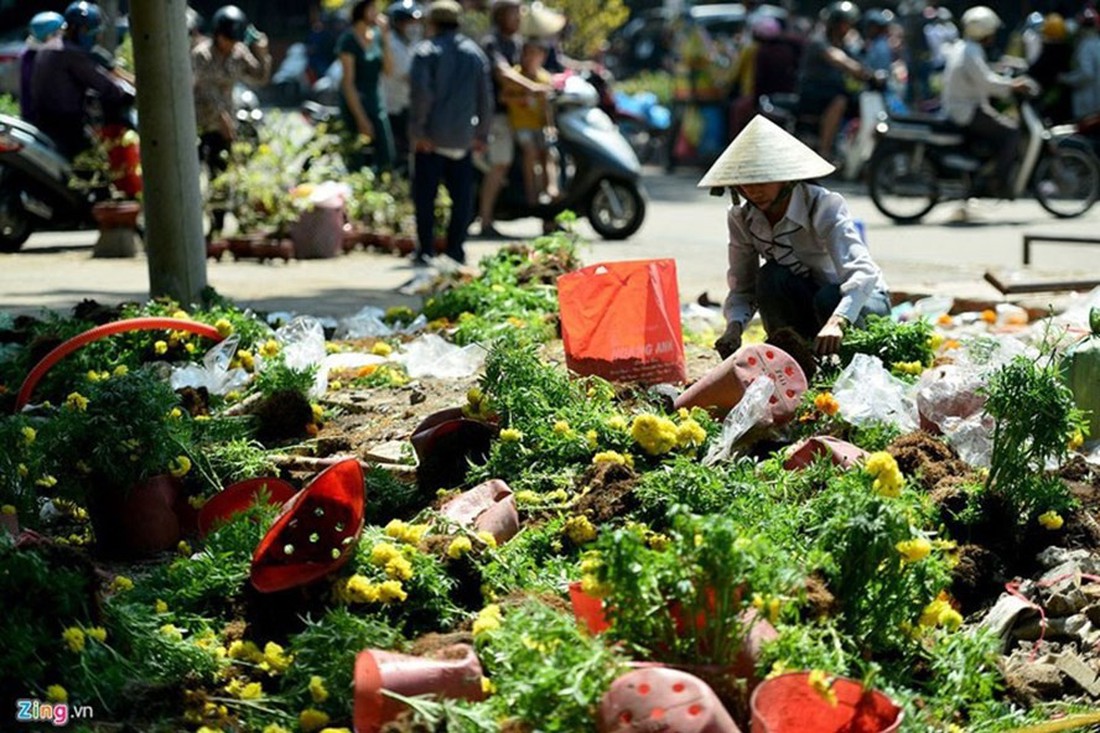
(235, 52)
(968, 83)
(46, 29)
(405, 32)
(63, 76)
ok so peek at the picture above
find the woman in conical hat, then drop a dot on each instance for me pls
(795, 253)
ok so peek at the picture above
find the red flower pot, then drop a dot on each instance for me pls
(445, 442)
(136, 523)
(455, 673)
(722, 388)
(587, 609)
(238, 497)
(316, 532)
(488, 507)
(9, 523)
(789, 704)
(404, 245)
(116, 214)
(657, 698)
(841, 453)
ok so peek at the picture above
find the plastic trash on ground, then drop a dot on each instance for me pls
(431, 356)
(972, 438)
(370, 322)
(949, 391)
(303, 346)
(699, 318)
(867, 393)
(214, 373)
(753, 409)
(352, 360)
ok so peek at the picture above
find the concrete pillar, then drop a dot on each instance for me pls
(169, 150)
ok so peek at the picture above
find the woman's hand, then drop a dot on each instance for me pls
(829, 337)
(366, 129)
(730, 341)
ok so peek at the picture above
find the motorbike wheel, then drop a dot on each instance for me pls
(617, 209)
(16, 226)
(1067, 182)
(900, 189)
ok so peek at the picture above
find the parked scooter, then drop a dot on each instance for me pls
(600, 176)
(920, 161)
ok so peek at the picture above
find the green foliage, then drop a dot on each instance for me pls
(390, 498)
(20, 467)
(890, 341)
(660, 83)
(547, 671)
(9, 105)
(685, 482)
(233, 459)
(965, 674)
(1035, 418)
(277, 376)
(536, 561)
(591, 24)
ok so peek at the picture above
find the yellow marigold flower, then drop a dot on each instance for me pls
(121, 584)
(888, 485)
(1076, 440)
(940, 613)
(57, 693)
(160, 606)
(935, 341)
(179, 466)
(616, 422)
(335, 385)
(395, 529)
(7, 510)
(527, 496)
(180, 313)
(579, 530)
(459, 546)
(120, 371)
(74, 638)
(311, 720)
(399, 568)
(160, 348)
(391, 590)
(487, 686)
(248, 361)
(98, 633)
(252, 691)
(269, 348)
(383, 553)
(208, 729)
(989, 316)
(561, 427)
(360, 590)
(591, 585)
(76, 401)
(22, 470)
(276, 658)
(381, 348)
(184, 548)
(488, 538)
(880, 461)
(245, 650)
(657, 541)
(511, 435)
(826, 403)
(823, 686)
(1051, 520)
(172, 632)
(225, 328)
(690, 434)
(317, 689)
(914, 550)
(488, 619)
(592, 438)
(609, 456)
(318, 412)
(275, 728)
(29, 434)
(196, 502)
(175, 413)
(945, 320)
(655, 434)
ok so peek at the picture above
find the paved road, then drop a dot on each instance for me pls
(56, 270)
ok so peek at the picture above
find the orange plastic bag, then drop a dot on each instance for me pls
(621, 321)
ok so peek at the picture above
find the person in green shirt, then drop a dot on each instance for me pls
(364, 53)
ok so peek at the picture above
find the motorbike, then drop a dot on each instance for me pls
(644, 122)
(600, 176)
(920, 161)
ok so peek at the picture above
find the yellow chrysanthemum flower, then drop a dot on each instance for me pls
(488, 619)
(391, 590)
(276, 658)
(312, 720)
(73, 638)
(76, 401)
(225, 328)
(121, 584)
(914, 550)
(1051, 520)
(57, 693)
(98, 633)
(655, 434)
(511, 435)
(317, 689)
(160, 348)
(29, 434)
(381, 348)
(579, 530)
(459, 546)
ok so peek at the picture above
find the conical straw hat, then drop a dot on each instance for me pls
(765, 153)
(539, 21)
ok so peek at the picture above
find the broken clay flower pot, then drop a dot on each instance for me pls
(238, 497)
(841, 453)
(139, 522)
(445, 443)
(722, 388)
(657, 698)
(488, 507)
(315, 533)
(454, 673)
(587, 609)
(9, 523)
(789, 703)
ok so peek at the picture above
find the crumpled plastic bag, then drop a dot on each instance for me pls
(972, 438)
(697, 318)
(431, 356)
(867, 393)
(303, 345)
(214, 373)
(352, 360)
(753, 409)
(950, 391)
(369, 323)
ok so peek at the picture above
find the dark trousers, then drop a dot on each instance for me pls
(1004, 135)
(787, 300)
(458, 177)
(399, 128)
(214, 150)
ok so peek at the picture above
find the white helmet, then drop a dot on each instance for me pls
(980, 22)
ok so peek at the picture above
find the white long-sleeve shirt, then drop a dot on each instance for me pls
(816, 237)
(968, 82)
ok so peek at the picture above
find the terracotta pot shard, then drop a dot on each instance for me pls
(445, 442)
(238, 497)
(488, 507)
(788, 703)
(722, 388)
(840, 452)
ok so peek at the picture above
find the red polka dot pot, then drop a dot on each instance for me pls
(662, 699)
(840, 452)
(722, 388)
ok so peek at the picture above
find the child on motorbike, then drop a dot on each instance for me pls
(532, 122)
(817, 274)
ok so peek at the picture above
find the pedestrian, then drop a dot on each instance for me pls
(365, 56)
(405, 33)
(817, 275)
(532, 122)
(1084, 77)
(502, 46)
(46, 30)
(450, 112)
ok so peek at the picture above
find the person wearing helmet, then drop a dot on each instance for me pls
(62, 77)
(1053, 61)
(878, 53)
(1084, 76)
(827, 64)
(817, 275)
(968, 83)
(766, 65)
(234, 53)
(366, 56)
(405, 17)
(46, 30)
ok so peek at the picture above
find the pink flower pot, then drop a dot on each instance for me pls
(238, 497)
(722, 388)
(789, 704)
(445, 442)
(662, 699)
(488, 507)
(455, 673)
(841, 453)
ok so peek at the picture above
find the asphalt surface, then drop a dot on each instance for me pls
(939, 256)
